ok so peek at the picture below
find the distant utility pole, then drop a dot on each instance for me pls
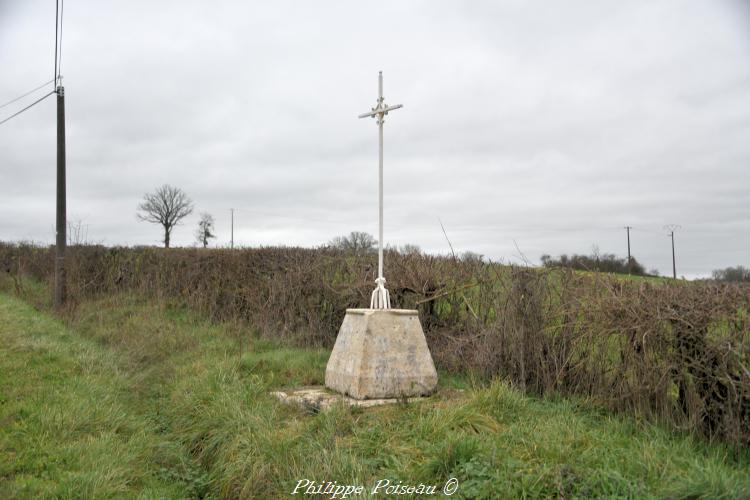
(231, 210)
(672, 228)
(628, 228)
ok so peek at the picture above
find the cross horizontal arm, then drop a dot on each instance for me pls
(376, 111)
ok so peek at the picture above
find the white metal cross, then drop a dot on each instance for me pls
(380, 297)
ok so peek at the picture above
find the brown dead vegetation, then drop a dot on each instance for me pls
(668, 351)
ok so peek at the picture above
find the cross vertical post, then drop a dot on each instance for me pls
(380, 297)
(380, 179)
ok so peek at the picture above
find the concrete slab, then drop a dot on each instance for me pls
(318, 398)
(381, 354)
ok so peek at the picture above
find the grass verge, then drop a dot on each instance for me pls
(133, 399)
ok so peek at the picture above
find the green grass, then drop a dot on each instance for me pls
(127, 398)
(67, 422)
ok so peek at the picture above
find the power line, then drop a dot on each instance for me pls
(293, 217)
(27, 93)
(645, 230)
(534, 228)
(57, 23)
(27, 107)
(58, 59)
(59, 65)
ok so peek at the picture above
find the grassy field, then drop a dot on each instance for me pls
(127, 398)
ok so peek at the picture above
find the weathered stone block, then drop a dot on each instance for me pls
(381, 353)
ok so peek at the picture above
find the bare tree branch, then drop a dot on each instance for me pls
(167, 206)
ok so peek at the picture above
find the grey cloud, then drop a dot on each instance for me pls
(543, 125)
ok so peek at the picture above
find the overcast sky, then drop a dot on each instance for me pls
(539, 127)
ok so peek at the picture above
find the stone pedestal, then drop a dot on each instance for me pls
(381, 353)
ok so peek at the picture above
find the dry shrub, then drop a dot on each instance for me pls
(669, 351)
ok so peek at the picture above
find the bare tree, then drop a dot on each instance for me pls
(167, 206)
(469, 256)
(357, 242)
(410, 249)
(733, 274)
(205, 229)
(78, 232)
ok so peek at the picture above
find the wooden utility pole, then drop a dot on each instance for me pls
(671, 228)
(61, 222)
(231, 244)
(628, 228)
(674, 265)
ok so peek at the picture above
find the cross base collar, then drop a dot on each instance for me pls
(381, 297)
